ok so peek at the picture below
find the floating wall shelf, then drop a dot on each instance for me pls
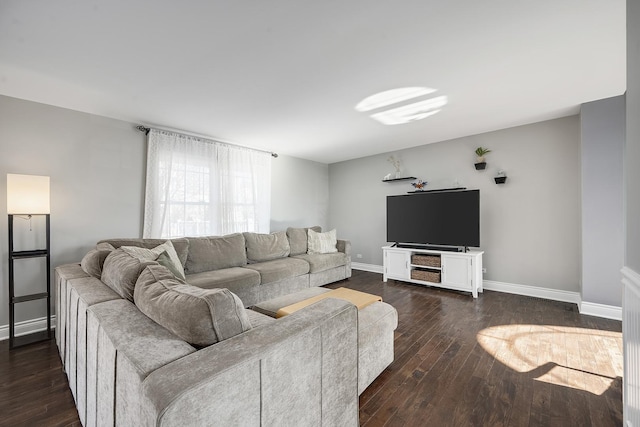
(439, 189)
(406, 178)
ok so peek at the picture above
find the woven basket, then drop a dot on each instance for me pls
(426, 260)
(426, 275)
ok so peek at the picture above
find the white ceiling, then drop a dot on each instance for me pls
(285, 75)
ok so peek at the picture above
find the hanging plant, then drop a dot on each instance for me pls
(480, 162)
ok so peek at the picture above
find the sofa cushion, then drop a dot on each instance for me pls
(266, 247)
(121, 270)
(234, 278)
(322, 243)
(214, 253)
(280, 269)
(199, 316)
(298, 239)
(322, 262)
(152, 254)
(181, 245)
(258, 319)
(143, 342)
(93, 262)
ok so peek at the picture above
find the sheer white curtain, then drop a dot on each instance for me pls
(198, 187)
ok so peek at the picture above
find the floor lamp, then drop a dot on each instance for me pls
(28, 195)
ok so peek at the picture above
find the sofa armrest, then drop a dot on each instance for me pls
(344, 246)
(299, 370)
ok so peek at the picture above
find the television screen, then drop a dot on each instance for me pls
(447, 218)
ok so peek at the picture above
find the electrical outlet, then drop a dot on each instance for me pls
(359, 256)
(484, 270)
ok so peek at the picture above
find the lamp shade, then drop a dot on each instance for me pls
(27, 194)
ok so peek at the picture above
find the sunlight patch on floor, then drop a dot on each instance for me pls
(583, 359)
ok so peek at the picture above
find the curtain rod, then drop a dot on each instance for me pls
(146, 130)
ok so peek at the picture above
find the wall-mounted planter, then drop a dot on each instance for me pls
(500, 179)
(481, 166)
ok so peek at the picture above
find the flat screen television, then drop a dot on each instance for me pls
(447, 218)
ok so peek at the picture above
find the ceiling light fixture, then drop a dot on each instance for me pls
(411, 112)
(417, 110)
(391, 97)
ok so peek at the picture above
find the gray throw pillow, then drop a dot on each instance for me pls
(152, 254)
(180, 244)
(165, 260)
(215, 253)
(93, 262)
(266, 247)
(121, 270)
(298, 239)
(104, 246)
(199, 316)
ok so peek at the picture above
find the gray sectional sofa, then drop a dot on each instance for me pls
(124, 369)
(255, 267)
(141, 346)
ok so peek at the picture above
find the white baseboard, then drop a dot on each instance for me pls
(532, 291)
(27, 327)
(372, 268)
(600, 310)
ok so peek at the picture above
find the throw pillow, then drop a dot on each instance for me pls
(199, 316)
(93, 262)
(166, 261)
(266, 247)
(154, 253)
(322, 243)
(180, 244)
(298, 239)
(121, 270)
(104, 246)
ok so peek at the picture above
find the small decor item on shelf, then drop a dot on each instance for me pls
(419, 186)
(480, 162)
(501, 178)
(396, 164)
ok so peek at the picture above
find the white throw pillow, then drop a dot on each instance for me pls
(322, 243)
(153, 254)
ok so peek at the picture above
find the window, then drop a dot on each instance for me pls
(197, 187)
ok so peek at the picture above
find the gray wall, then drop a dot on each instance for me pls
(300, 193)
(632, 149)
(97, 170)
(602, 126)
(96, 167)
(530, 227)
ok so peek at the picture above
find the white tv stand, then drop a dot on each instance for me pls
(461, 271)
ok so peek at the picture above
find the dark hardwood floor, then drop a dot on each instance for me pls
(34, 390)
(499, 360)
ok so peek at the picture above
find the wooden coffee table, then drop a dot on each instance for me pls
(357, 298)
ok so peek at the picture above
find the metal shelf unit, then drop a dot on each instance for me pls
(13, 299)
